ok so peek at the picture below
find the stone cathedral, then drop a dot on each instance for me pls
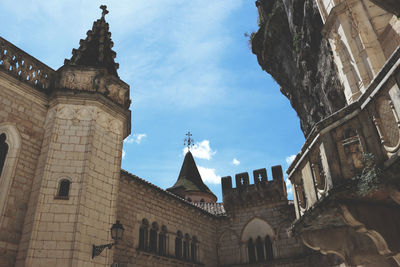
(65, 201)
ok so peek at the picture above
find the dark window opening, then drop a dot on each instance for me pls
(178, 247)
(268, 248)
(260, 250)
(153, 237)
(252, 251)
(201, 200)
(193, 249)
(63, 189)
(3, 151)
(143, 235)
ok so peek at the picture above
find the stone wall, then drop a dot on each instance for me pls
(83, 144)
(138, 200)
(24, 110)
(234, 234)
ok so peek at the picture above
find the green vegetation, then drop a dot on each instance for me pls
(369, 179)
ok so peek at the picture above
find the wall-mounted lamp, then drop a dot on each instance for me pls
(117, 230)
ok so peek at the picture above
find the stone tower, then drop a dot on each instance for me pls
(74, 192)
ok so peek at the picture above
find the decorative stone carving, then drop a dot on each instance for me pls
(78, 113)
(387, 124)
(25, 67)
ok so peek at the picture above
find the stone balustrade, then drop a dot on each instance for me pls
(25, 67)
(336, 150)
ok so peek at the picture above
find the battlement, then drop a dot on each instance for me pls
(261, 191)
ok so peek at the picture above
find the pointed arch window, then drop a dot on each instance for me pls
(260, 249)
(153, 237)
(178, 245)
(143, 235)
(251, 251)
(3, 151)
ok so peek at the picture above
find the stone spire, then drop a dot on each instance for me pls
(189, 184)
(96, 49)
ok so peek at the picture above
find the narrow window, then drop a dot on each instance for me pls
(193, 249)
(162, 241)
(153, 237)
(260, 250)
(3, 151)
(186, 247)
(143, 235)
(252, 251)
(63, 189)
(268, 248)
(178, 245)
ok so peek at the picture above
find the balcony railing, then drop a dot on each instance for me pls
(335, 150)
(25, 67)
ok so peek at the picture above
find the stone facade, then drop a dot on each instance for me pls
(62, 187)
(346, 176)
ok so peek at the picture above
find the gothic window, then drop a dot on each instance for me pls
(178, 245)
(153, 237)
(251, 251)
(63, 189)
(143, 235)
(186, 247)
(3, 151)
(260, 249)
(193, 249)
(268, 248)
(162, 241)
(301, 194)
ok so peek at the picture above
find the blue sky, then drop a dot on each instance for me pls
(190, 68)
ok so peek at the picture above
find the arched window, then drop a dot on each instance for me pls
(202, 200)
(186, 243)
(260, 249)
(268, 248)
(63, 189)
(10, 146)
(162, 241)
(178, 245)
(193, 249)
(251, 251)
(189, 199)
(153, 237)
(143, 235)
(3, 151)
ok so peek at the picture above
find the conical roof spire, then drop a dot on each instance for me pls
(189, 179)
(96, 49)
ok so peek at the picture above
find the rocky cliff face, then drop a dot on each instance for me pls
(289, 45)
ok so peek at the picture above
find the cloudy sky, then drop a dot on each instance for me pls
(189, 67)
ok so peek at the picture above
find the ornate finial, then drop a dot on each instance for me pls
(105, 11)
(188, 141)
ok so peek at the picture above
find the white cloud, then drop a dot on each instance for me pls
(123, 154)
(208, 175)
(201, 150)
(136, 138)
(235, 162)
(288, 188)
(290, 159)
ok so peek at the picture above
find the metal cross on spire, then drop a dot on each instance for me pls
(105, 11)
(188, 141)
